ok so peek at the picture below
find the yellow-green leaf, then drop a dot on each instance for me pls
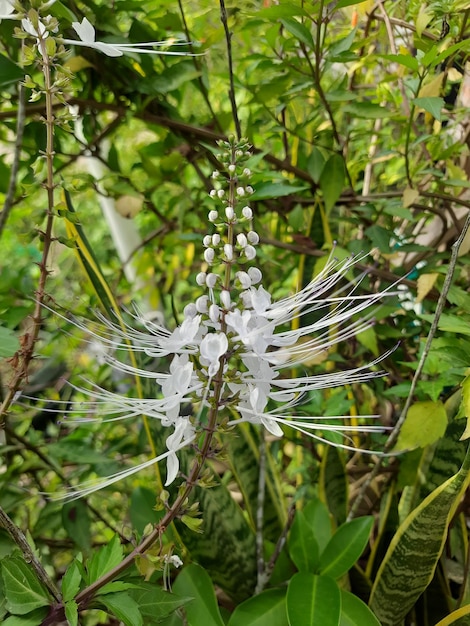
(425, 423)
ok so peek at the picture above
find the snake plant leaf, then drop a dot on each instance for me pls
(460, 617)
(411, 559)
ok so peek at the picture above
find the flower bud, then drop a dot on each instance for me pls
(244, 279)
(225, 299)
(209, 255)
(253, 237)
(247, 212)
(201, 304)
(229, 213)
(242, 240)
(215, 239)
(201, 279)
(240, 191)
(255, 274)
(215, 174)
(213, 216)
(249, 189)
(249, 251)
(228, 251)
(190, 310)
(247, 172)
(221, 193)
(213, 193)
(211, 280)
(214, 312)
(231, 168)
(206, 242)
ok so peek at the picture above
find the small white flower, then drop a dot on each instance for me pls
(87, 35)
(213, 346)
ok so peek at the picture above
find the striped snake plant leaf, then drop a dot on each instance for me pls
(410, 561)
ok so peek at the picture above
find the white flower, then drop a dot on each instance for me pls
(7, 10)
(87, 35)
(213, 346)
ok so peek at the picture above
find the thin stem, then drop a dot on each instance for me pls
(231, 92)
(18, 537)
(419, 370)
(20, 123)
(260, 513)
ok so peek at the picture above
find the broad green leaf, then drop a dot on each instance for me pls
(123, 607)
(105, 559)
(71, 582)
(32, 619)
(432, 104)
(425, 423)
(282, 10)
(303, 547)
(22, 589)
(155, 602)
(9, 343)
(142, 510)
(313, 600)
(264, 191)
(345, 547)
(332, 180)
(71, 612)
(195, 582)
(9, 72)
(76, 521)
(299, 30)
(354, 612)
(318, 517)
(367, 110)
(407, 60)
(266, 609)
(412, 556)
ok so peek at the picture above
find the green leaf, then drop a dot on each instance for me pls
(313, 600)
(123, 607)
(142, 509)
(22, 589)
(9, 343)
(9, 71)
(354, 612)
(71, 612)
(303, 547)
(346, 546)
(264, 191)
(367, 110)
(431, 104)
(332, 180)
(318, 517)
(299, 30)
(155, 602)
(32, 619)
(266, 609)
(412, 556)
(76, 522)
(402, 59)
(425, 423)
(105, 559)
(195, 582)
(71, 582)
(282, 10)
(347, 3)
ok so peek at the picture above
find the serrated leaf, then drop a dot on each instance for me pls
(195, 582)
(345, 547)
(31, 619)
(71, 612)
(22, 589)
(105, 559)
(312, 600)
(155, 602)
(71, 582)
(123, 607)
(266, 609)
(424, 424)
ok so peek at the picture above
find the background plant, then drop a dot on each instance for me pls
(357, 117)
